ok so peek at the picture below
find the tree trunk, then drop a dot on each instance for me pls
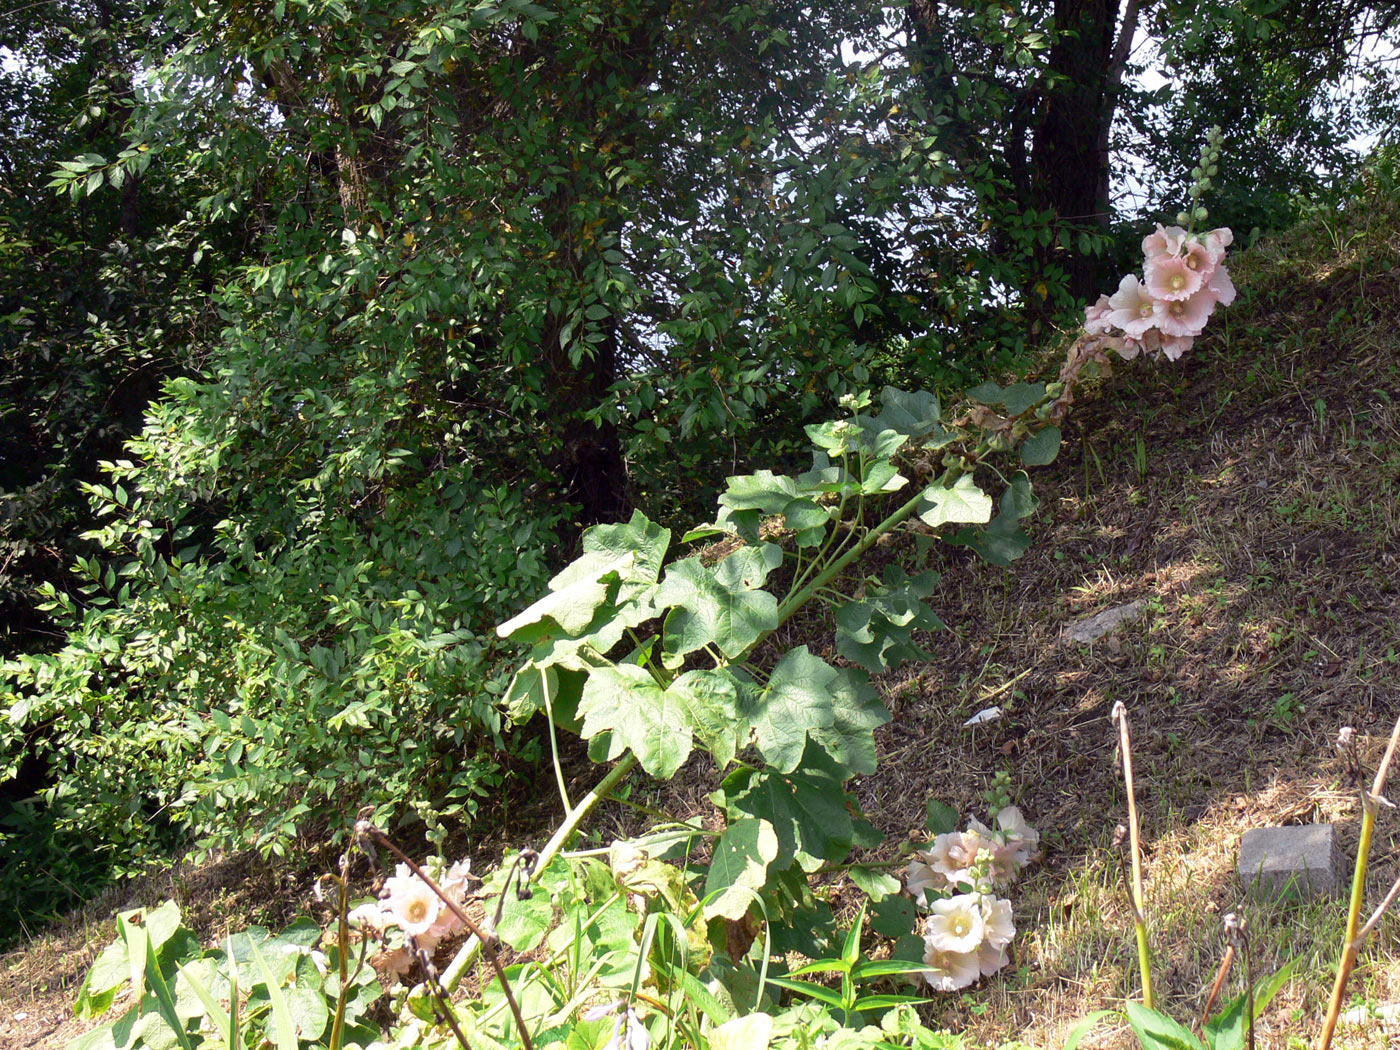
(1070, 168)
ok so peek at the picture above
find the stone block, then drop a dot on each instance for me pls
(1300, 860)
(1092, 628)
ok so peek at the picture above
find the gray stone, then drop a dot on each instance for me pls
(1092, 628)
(1301, 860)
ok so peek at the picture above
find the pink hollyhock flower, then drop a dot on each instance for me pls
(1166, 241)
(956, 924)
(1221, 286)
(1019, 835)
(1133, 309)
(1096, 320)
(997, 927)
(1129, 348)
(990, 959)
(954, 853)
(368, 916)
(1184, 316)
(949, 971)
(1173, 346)
(920, 877)
(1216, 241)
(412, 906)
(399, 961)
(1172, 277)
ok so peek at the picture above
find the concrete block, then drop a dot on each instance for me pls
(1301, 860)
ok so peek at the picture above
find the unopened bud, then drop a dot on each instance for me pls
(1214, 169)
(1202, 215)
(1054, 389)
(1182, 218)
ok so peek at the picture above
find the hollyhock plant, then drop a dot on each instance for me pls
(968, 928)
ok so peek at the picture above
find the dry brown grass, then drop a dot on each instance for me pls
(1264, 538)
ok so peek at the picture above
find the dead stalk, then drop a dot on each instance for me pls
(1356, 935)
(1120, 718)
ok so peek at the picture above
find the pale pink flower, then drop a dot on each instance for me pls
(1096, 320)
(1166, 241)
(1220, 285)
(1018, 834)
(1173, 346)
(1172, 277)
(1133, 309)
(368, 916)
(949, 971)
(997, 926)
(410, 904)
(1216, 241)
(1129, 348)
(955, 853)
(920, 877)
(956, 924)
(990, 959)
(399, 961)
(1184, 316)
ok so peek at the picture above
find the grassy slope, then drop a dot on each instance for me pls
(1264, 538)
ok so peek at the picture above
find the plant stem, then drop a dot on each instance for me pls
(1351, 947)
(457, 968)
(1120, 716)
(835, 568)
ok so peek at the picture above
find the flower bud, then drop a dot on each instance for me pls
(1182, 218)
(1214, 169)
(1054, 389)
(1201, 214)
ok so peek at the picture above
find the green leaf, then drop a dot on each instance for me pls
(525, 922)
(1015, 399)
(1227, 1029)
(914, 415)
(876, 883)
(849, 742)
(799, 697)
(652, 721)
(642, 538)
(164, 996)
(877, 632)
(1003, 541)
(739, 868)
(212, 1007)
(723, 606)
(283, 1032)
(963, 502)
(1040, 449)
(1157, 1031)
(806, 808)
(574, 598)
(893, 917)
(940, 818)
(1000, 543)
(1084, 1027)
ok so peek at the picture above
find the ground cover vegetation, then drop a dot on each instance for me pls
(445, 308)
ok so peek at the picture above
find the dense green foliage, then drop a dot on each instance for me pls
(338, 325)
